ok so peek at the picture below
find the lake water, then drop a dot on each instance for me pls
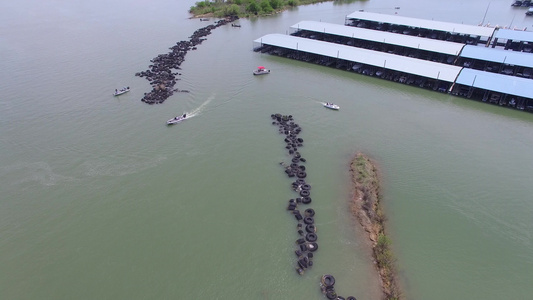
(101, 200)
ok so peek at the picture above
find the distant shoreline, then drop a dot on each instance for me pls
(244, 8)
(366, 206)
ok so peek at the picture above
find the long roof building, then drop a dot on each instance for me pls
(413, 42)
(504, 84)
(498, 55)
(514, 35)
(498, 76)
(398, 63)
(425, 24)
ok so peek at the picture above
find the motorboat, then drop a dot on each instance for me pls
(177, 119)
(331, 106)
(261, 71)
(121, 91)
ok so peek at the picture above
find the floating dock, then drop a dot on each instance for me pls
(487, 64)
(453, 32)
(513, 40)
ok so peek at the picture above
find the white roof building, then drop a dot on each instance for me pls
(426, 24)
(381, 37)
(394, 62)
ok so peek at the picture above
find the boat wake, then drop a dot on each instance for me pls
(197, 111)
(318, 101)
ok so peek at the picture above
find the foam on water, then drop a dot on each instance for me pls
(197, 111)
(39, 172)
(111, 166)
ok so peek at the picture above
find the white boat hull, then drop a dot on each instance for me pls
(332, 106)
(175, 120)
(261, 72)
(120, 92)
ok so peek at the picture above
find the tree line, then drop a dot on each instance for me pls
(244, 8)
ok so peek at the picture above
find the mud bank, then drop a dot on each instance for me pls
(366, 206)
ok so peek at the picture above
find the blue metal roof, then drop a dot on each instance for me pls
(515, 35)
(505, 84)
(508, 57)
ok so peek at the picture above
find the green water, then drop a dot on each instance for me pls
(100, 200)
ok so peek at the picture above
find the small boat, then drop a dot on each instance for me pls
(177, 119)
(331, 106)
(235, 25)
(261, 71)
(121, 91)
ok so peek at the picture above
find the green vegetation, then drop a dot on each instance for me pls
(245, 8)
(367, 201)
(387, 266)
